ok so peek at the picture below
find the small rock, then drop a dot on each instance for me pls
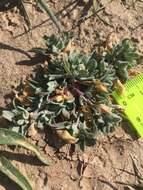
(75, 14)
(64, 12)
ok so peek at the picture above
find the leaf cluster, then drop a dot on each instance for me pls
(124, 56)
(72, 94)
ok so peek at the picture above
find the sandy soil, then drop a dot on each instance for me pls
(99, 167)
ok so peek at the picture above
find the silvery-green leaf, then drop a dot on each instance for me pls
(14, 128)
(8, 115)
(52, 86)
(20, 121)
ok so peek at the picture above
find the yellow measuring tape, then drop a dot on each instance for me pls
(132, 102)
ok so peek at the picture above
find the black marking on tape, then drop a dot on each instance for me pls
(134, 82)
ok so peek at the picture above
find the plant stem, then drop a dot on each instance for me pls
(51, 14)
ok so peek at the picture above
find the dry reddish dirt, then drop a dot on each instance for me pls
(99, 167)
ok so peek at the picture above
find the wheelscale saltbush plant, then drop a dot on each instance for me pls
(72, 92)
